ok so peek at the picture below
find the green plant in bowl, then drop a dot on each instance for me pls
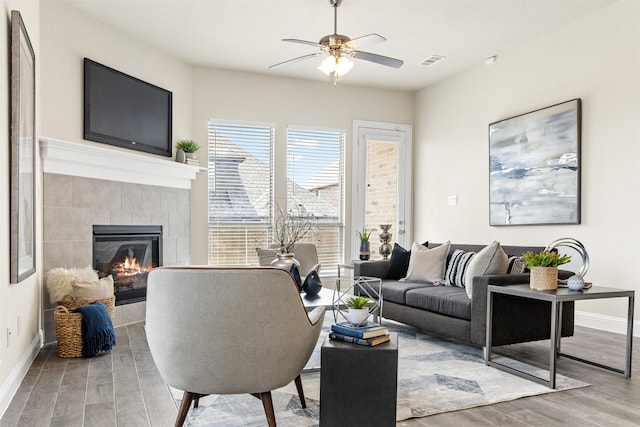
(358, 302)
(545, 259)
(188, 145)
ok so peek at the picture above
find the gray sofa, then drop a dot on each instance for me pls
(448, 311)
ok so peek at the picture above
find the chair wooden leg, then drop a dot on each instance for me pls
(298, 382)
(187, 398)
(267, 404)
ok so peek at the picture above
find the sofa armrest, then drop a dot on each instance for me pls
(375, 268)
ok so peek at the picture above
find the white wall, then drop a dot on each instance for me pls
(16, 300)
(68, 36)
(281, 101)
(596, 58)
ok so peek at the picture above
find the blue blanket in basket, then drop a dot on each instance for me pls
(97, 329)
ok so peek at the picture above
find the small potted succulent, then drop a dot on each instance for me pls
(358, 310)
(544, 268)
(186, 149)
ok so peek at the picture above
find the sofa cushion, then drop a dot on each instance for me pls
(517, 265)
(447, 300)
(457, 267)
(427, 264)
(491, 259)
(398, 263)
(395, 290)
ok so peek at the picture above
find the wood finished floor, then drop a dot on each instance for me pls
(123, 388)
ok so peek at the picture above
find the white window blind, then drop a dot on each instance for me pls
(240, 191)
(315, 184)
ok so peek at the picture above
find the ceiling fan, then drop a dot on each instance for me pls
(340, 49)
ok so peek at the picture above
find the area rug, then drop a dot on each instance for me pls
(434, 376)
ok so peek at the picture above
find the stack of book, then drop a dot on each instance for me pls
(370, 334)
(194, 162)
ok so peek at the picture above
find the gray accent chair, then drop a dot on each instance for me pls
(229, 330)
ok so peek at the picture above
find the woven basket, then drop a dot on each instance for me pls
(69, 325)
(544, 278)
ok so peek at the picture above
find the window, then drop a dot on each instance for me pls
(315, 171)
(240, 191)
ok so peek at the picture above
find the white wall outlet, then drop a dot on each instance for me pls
(453, 200)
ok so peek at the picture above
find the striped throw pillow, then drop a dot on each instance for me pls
(455, 274)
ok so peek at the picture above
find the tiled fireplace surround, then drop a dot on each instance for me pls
(85, 184)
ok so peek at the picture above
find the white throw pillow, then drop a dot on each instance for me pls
(491, 259)
(94, 289)
(427, 264)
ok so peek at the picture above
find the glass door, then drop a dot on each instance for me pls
(382, 191)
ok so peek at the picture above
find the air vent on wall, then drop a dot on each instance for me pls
(432, 60)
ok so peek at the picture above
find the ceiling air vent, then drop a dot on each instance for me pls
(432, 60)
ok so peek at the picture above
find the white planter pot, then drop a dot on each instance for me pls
(358, 316)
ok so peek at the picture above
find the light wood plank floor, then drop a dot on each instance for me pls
(123, 388)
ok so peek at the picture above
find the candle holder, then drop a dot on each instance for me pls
(385, 237)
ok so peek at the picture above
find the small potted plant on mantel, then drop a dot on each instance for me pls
(358, 310)
(185, 152)
(544, 268)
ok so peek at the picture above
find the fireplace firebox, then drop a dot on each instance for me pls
(128, 253)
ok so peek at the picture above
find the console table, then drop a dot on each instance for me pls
(556, 297)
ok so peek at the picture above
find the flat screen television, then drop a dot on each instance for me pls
(125, 111)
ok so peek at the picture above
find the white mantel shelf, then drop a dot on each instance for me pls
(90, 161)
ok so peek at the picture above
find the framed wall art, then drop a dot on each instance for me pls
(22, 139)
(534, 167)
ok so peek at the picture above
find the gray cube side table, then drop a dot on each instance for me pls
(358, 384)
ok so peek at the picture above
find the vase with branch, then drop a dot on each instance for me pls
(290, 227)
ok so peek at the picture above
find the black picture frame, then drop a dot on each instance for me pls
(22, 140)
(534, 167)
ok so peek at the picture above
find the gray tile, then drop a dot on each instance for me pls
(101, 414)
(72, 224)
(12, 414)
(57, 254)
(169, 251)
(120, 217)
(131, 197)
(49, 326)
(134, 417)
(183, 250)
(168, 199)
(183, 200)
(98, 216)
(57, 190)
(109, 195)
(82, 253)
(176, 224)
(38, 409)
(151, 198)
(141, 217)
(84, 192)
(50, 224)
(70, 405)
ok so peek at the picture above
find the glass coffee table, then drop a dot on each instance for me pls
(556, 298)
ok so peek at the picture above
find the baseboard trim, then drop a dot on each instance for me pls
(10, 387)
(605, 323)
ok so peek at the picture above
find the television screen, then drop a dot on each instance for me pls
(125, 111)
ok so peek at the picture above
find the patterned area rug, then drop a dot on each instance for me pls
(434, 376)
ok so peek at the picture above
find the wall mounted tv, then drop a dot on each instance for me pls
(125, 111)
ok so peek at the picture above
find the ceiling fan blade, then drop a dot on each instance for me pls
(299, 58)
(314, 44)
(364, 41)
(378, 59)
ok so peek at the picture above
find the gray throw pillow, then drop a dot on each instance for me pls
(491, 259)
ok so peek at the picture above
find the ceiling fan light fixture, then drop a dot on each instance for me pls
(338, 65)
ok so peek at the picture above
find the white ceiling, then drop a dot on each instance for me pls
(246, 34)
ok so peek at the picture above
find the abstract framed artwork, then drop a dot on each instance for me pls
(22, 139)
(534, 167)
